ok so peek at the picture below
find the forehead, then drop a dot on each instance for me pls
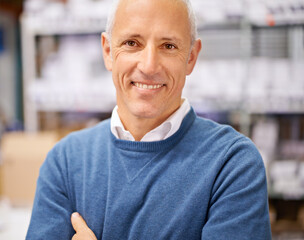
(146, 17)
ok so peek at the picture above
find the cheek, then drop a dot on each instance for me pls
(177, 65)
(120, 68)
(123, 64)
(178, 75)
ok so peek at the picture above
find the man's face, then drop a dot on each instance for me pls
(151, 56)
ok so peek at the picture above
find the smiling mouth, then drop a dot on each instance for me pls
(146, 86)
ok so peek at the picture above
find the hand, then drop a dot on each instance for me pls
(83, 232)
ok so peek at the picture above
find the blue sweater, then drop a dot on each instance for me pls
(205, 182)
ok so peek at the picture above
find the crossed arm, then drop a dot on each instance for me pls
(245, 183)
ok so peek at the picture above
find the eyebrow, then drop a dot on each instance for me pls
(124, 36)
(174, 39)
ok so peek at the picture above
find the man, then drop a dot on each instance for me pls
(155, 170)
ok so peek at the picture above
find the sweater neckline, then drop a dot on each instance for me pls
(156, 145)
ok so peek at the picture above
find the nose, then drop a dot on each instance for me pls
(149, 62)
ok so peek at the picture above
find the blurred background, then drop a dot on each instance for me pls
(250, 75)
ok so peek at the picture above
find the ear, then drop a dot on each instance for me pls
(106, 50)
(196, 48)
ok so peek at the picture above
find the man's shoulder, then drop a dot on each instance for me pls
(224, 140)
(209, 129)
(76, 148)
(88, 135)
(219, 137)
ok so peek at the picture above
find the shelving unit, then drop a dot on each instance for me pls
(55, 91)
(229, 76)
(8, 71)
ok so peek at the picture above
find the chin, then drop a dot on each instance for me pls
(146, 114)
(146, 111)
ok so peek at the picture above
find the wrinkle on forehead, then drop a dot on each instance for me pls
(133, 12)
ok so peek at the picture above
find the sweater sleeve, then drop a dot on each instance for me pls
(239, 203)
(52, 207)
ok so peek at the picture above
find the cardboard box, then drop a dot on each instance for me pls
(22, 155)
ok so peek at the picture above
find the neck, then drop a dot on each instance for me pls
(140, 126)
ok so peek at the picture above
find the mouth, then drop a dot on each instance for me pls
(147, 86)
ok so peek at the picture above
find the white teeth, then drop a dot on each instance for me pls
(145, 86)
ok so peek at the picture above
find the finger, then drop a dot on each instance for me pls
(78, 222)
(83, 232)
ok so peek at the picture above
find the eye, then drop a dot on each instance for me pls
(169, 46)
(130, 43)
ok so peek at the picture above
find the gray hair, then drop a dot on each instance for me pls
(191, 17)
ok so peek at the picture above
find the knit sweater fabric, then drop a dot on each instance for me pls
(204, 182)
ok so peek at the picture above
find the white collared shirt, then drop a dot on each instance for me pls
(163, 131)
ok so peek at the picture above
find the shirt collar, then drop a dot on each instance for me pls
(163, 131)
